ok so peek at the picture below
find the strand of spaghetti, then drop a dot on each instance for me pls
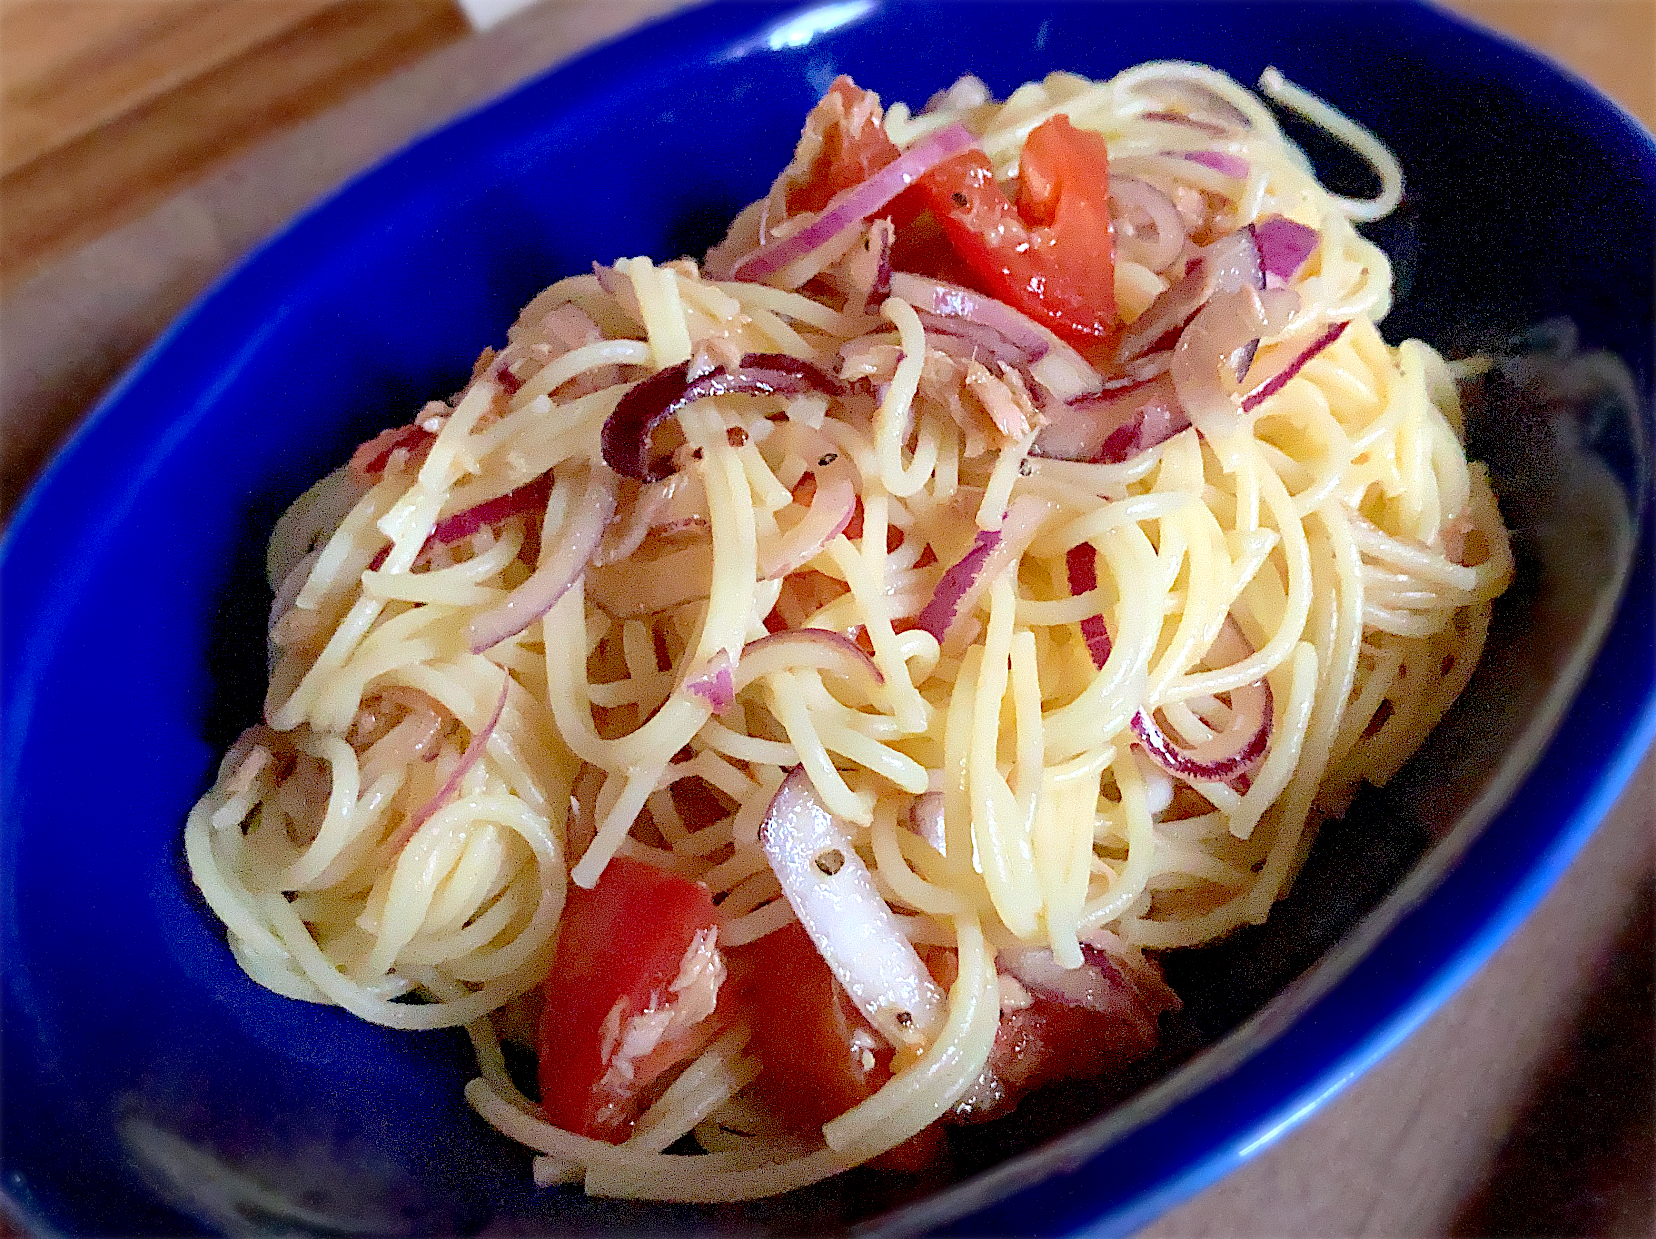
(999, 830)
(658, 299)
(1359, 139)
(1139, 832)
(577, 361)
(893, 420)
(917, 1096)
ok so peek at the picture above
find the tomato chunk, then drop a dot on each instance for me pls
(1051, 255)
(850, 146)
(631, 992)
(820, 1056)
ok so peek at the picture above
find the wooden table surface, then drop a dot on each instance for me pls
(1523, 1107)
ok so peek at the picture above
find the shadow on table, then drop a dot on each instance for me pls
(1579, 1160)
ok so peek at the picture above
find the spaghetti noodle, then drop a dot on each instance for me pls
(980, 628)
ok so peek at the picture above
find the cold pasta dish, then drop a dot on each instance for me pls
(798, 695)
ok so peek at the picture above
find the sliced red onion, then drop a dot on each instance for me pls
(1222, 162)
(529, 497)
(1131, 196)
(1229, 753)
(951, 301)
(962, 337)
(1081, 564)
(577, 541)
(1233, 262)
(1052, 363)
(1283, 245)
(832, 506)
(1230, 263)
(957, 581)
(1189, 122)
(830, 890)
(371, 458)
(1114, 426)
(926, 820)
(820, 648)
(673, 504)
(1219, 334)
(992, 551)
(468, 759)
(1136, 373)
(868, 268)
(1278, 381)
(850, 207)
(714, 683)
(648, 403)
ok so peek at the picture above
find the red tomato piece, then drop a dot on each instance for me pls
(1049, 1041)
(819, 1056)
(853, 146)
(1051, 255)
(611, 1022)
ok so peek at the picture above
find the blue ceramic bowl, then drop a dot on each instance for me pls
(150, 1088)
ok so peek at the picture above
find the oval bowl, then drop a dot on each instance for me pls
(151, 1088)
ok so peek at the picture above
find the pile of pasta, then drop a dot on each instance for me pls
(497, 663)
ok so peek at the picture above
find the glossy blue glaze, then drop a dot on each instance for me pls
(131, 648)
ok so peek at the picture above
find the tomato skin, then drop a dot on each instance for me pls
(1051, 255)
(819, 1056)
(1050, 1041)
(803, 1029)
(621, 945)
(854, 147)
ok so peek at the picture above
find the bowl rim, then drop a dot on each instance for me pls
(1312, 1079)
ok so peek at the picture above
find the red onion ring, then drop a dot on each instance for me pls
(1222, 162)
(472, 755)
(577, 541)
(1283, 245)
(821, 648)
(950, 334)
(1116, 425)
(958, 579)
(950, 301)
(1278, 381)
(831, 891)
(992, 551)
(1230, 753)
(526, 498)
(832, 506)
(1221, 333)
(1053, 364)
(714, 683)
(1131, 196)
(850, 207)
(1081, 565)
(648, 403)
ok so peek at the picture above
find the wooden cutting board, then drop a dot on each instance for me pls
(109, 106)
